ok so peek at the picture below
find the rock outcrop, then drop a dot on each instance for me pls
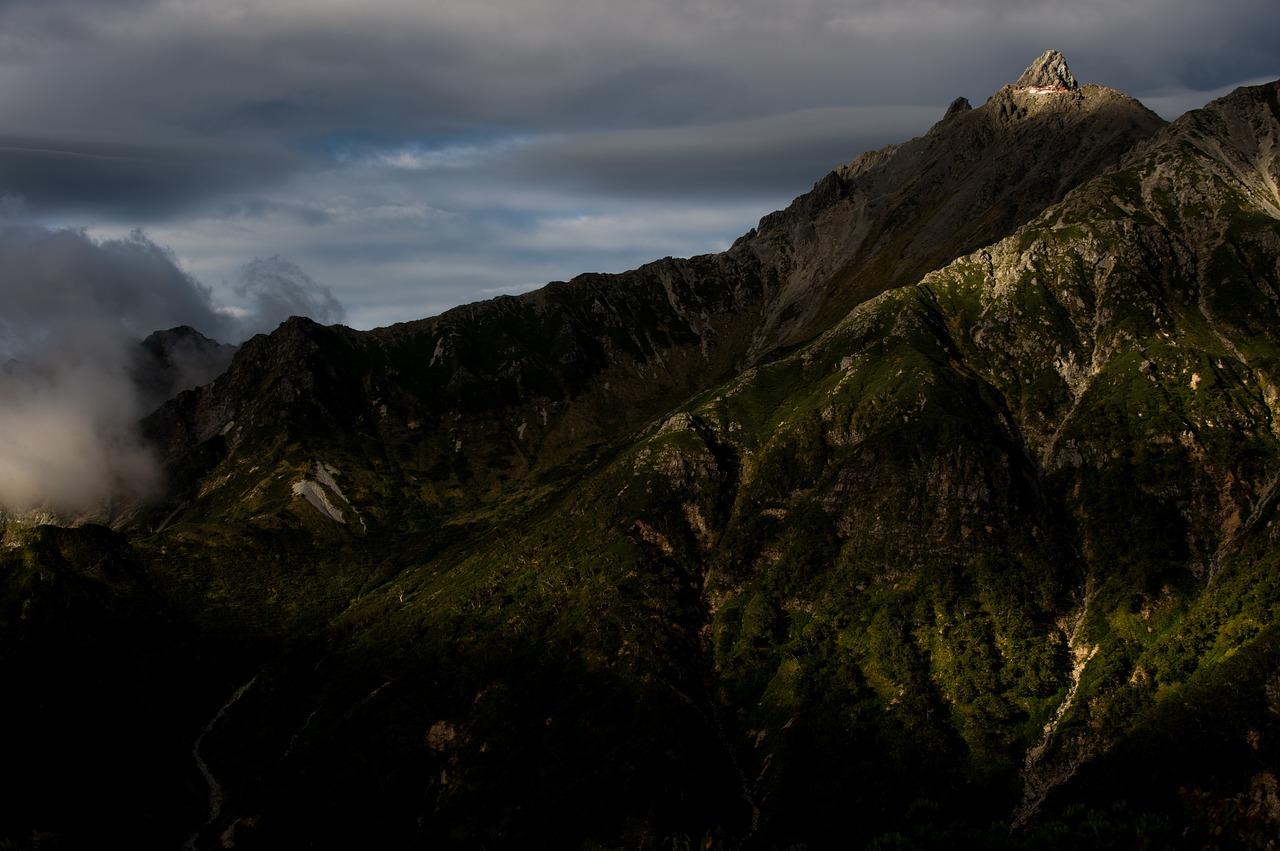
(1048, 73)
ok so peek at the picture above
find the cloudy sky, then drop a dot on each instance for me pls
(410, 155)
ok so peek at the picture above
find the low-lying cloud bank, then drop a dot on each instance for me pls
(71, 394)
(67, 416)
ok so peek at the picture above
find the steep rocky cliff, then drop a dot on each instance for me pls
(940, 511)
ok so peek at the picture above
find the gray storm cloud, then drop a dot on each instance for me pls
(52, 278)
(279, 289)
(74, 310)
(322, 131)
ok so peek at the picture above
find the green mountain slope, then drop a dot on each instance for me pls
(938, 512)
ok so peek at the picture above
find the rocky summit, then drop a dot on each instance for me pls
(1049, 72)
(939, 511)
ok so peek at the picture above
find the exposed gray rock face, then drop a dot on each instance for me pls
(1050, 71)
(960, 104)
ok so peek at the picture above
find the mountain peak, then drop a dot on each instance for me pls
(1048, 73)
(959, 105)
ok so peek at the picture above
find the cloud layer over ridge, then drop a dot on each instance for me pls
(415, 156)
(74, 311)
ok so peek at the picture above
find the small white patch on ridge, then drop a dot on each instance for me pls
(315, 494)
(318, 491)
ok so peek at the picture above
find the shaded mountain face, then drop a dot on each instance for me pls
(937, 512)
(169, 362)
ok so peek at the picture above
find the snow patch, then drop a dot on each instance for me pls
(319, 490)
(314, 494)
(441, 351)
(324, 475)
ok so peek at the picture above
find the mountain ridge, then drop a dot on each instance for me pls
(974, 541)
(861, 232)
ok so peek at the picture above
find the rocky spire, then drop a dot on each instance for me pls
(1049, 72)
(958, 106)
